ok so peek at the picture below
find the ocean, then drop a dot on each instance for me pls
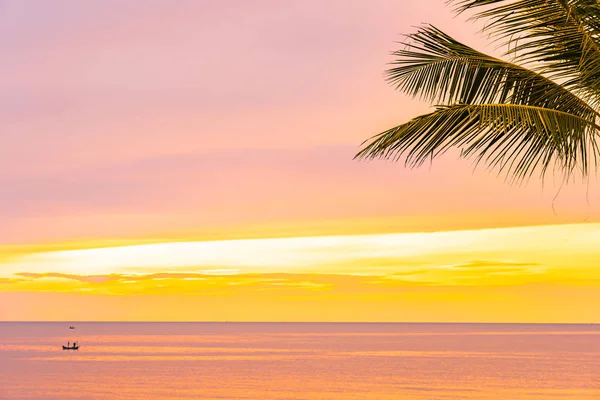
(286, 361)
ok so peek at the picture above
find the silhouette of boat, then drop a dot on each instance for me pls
(71, 327)
(75, 346)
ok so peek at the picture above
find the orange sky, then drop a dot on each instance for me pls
(194, 162)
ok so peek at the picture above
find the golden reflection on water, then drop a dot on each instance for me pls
(300, 361)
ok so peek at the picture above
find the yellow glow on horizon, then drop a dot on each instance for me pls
(377, 254)
(537, 265)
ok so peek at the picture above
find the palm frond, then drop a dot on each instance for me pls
(563, 36)
(434, 66)
(515, 139)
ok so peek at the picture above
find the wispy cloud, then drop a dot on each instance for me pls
(480, 264)
(80, 278)
(211, 282)
(180, 283)
(527, 249)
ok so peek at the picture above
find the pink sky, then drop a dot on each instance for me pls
(131, 119)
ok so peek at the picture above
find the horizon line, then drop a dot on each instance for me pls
(310, 322)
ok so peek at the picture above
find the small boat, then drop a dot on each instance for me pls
(75, 346)
(71, 327)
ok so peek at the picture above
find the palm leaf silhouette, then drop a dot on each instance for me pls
(535, 112)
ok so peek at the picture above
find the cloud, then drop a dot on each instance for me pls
(495, 264)
(80, 278)
(481, 272)
(194, 283)
(212, 283)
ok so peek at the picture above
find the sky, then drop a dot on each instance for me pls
(192, 160)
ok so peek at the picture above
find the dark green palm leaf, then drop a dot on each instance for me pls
(536, 113)
(562, 36)
(516, 139)
(435, 67)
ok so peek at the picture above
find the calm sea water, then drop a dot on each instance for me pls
(299, 361)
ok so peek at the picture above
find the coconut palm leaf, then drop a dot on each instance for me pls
(435, 67)
(537, 112)
(516, 139)
(563, 36)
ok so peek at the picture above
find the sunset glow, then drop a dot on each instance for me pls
(194, 161)
(406, 276)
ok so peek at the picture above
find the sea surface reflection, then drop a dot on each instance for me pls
(299, 361)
